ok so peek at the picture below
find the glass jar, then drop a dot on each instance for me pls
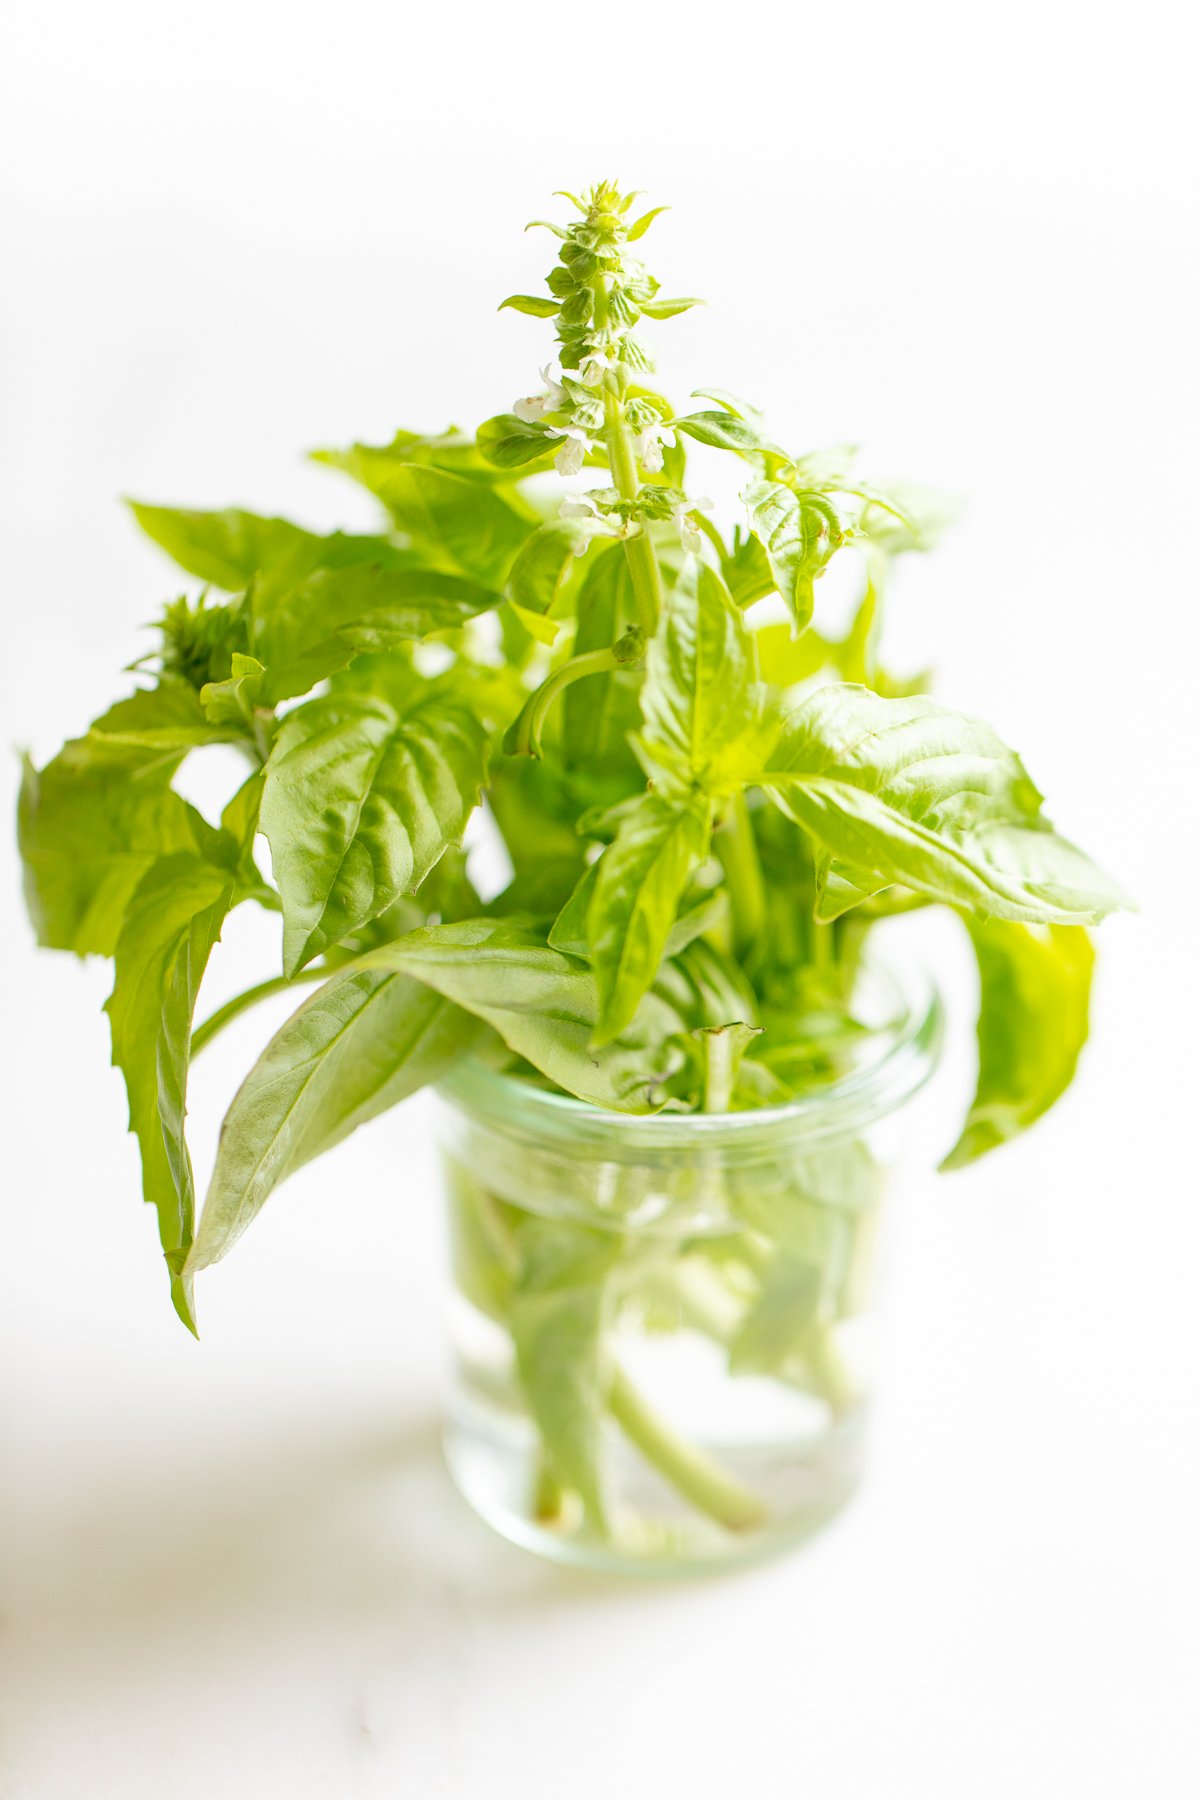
(661, 1324)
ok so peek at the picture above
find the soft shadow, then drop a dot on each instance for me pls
(312, 1529)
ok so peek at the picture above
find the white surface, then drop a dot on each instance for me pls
(236, 1568)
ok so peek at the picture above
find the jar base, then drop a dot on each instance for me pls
(493, 1460)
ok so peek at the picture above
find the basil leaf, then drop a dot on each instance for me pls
(173, 921)
(708, 912)
(316, 602)
(639, 882)
(556, 1314)
(169, 718)
(1035, 983)
(786, 660)
(359, 1045)
(91, 823)
(544, 562)
(309, 630)
(369, 464)
(598, 714)
(799, 533)
(359, 803)
(665, 309)
(723, 431)
(228, 548)
(701, 703)
(747, 573)
(912, 793)
(469, 528)
(232, 701)
(539, 306)
(546, 1007)
(508, 442)
(640, 226)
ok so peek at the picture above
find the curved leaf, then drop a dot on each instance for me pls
(641, 226)
(539, 306)
(724, 431)
(907, 791)
(639, 882)
(359, 803)
(799, 533)
(1035, 983)
(507, 442)
(359, 1045)
(173, 921)
(314, 628)
(227, 548)
(666, 309)
(544, 561)
(701, 702)
(91, 823)
(465, 526)
(546, 1007)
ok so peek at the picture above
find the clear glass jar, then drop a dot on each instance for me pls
(661, 1325)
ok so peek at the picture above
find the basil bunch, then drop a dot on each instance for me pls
(706, 804)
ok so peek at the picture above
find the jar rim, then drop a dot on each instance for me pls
(909, 1044)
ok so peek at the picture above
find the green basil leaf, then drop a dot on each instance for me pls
(316, 602)
(468, 528)
(228, 548)
(747, 573)
(544, 561)
(169, 718)
(556, 1315)
(509, 442)
(359, 1045)
(90, 824)
(799, 533)
(707, 912)
(639, 882)
(785, 660)
(310, 630)
(665, 309)
(598, 714)
(910, 792)
(537, 305)
(701, 703)
(641, 226)
(370, 464)
(546, 1007)
(1035, 983)
(723, 431)
(173, 920)
(359, 803)
(232, 701)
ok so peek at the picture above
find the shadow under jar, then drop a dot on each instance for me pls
(661, 1324)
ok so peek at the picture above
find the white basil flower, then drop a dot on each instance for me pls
(690, 534)
(569, 460)
(533, 407)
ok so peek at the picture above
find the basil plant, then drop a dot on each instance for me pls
(706, 801)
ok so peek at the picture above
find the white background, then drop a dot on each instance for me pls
(962, 236)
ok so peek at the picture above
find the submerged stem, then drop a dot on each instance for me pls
(709, 1488)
